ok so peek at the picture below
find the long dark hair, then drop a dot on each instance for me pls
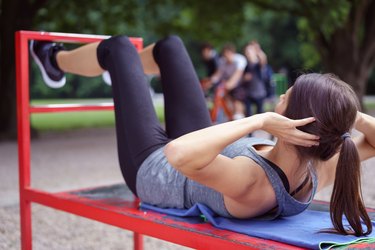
(334, 105)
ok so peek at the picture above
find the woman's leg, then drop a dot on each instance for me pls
(83, 61)
(138, 130)
(185, 106)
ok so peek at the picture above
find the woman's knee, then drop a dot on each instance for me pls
(118, 43)
(169, 44)
(114, 47)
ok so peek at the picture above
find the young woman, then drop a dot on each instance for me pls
(191, 161)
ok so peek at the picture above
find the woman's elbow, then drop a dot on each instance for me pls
(174, 153)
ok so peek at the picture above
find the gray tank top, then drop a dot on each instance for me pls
(159, 184)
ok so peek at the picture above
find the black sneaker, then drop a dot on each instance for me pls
(42, 53)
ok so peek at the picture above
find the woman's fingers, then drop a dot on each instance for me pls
(301, 138)
(287, 129)
(303, 122)
(306, 136)
(301, 142)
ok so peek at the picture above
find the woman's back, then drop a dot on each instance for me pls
(262, 196)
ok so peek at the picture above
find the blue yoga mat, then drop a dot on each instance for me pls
(300, 230)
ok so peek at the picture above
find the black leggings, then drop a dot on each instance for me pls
(139, 132)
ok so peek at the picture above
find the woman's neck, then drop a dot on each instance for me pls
(285, 156)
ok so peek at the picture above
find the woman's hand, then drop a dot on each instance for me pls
(286, 129)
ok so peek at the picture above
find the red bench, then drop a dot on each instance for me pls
(114, 205)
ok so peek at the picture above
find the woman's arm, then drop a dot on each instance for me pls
(197, 154)
(366, 142)
(194, 151)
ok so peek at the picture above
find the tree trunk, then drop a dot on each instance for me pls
(358, 80)
(356, 74)
(341, 56)
(350, 51)
(15, 15)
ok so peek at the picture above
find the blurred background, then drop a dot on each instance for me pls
(297, 36)
(336, 36)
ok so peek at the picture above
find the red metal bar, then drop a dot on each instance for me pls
(23, 116)
(24, 110)
(128, 216)
(138, 241)
(137, 238)
(71, 37)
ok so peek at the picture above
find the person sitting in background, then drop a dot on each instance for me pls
(229, 73)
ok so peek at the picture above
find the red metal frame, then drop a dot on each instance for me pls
(23, 115)
(117, 212)
(128, 216)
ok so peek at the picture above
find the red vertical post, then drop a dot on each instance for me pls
(23, 126)
(138, 241)
(137, 237)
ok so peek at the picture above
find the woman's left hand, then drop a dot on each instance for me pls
(286, 129)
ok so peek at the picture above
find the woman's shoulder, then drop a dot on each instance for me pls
(242, 146)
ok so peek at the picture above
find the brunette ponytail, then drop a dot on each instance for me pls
(334, 105)
(346, 196)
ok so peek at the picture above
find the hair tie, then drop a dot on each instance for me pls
(345, 135)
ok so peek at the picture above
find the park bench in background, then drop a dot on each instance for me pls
(114, 205)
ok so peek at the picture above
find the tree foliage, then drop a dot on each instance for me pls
(342, 32)
(336, 35)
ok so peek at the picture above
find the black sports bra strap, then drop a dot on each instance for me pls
(303, 184)
(284, 179)
(279, 172)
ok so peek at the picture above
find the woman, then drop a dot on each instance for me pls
(192, 161)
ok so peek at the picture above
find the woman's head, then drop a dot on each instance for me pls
(334, 105)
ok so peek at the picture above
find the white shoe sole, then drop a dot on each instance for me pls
(48, 81)
(107, 78)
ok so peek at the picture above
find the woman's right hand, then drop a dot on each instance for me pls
(286, 129)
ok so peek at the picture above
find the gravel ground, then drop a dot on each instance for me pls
(62, 161)
(77, 159)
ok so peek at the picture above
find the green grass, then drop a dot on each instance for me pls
(90, 119)
(370, 105)
(73, 120)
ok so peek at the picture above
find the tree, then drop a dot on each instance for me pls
(14, 15)
(343, 32)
